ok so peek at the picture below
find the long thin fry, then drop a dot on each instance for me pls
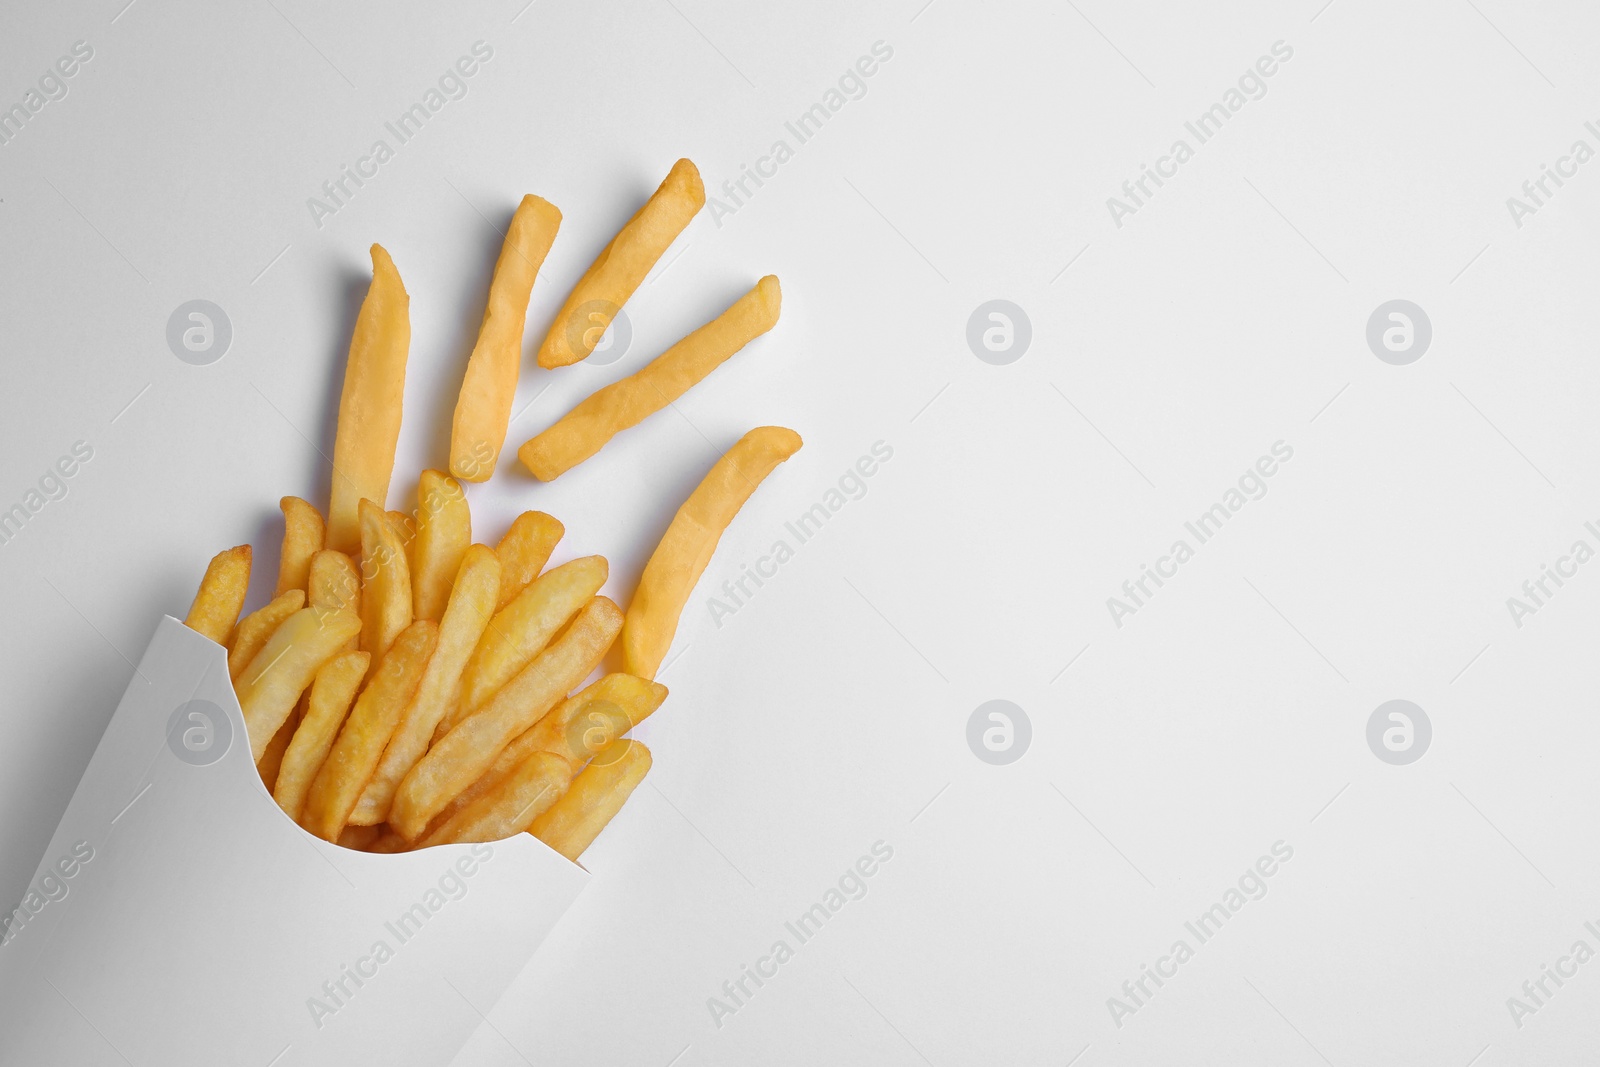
(328, 702)
(272, 758)
(571, 824)
(370, 403)
(584, 430)
(255, 628)
(385, 582)
(511, 806)
(280, 672)
(621, 266)
(462, 755)
(524, 551)
(483, 409)
(444, 530)
(221, 594)
(690, 540)
(471, 604)
(366, 731)
(335, 583)
(303, 535)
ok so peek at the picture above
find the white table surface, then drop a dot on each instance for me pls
(830, 711)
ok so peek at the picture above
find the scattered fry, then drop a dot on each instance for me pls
(524, 551)
(331, 694)
(483, 409)
(471, 604)
(366, 731)
(584, 430)
(571, 824)
(691, 538)
(221, 594)
(444, 530)
(511, 806)
(303, 534)
(280, 672)
(255, 628)
(463, 754)
(385, 582)
(621, 266)
(370, 403)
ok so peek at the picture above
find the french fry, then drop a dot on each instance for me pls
(483, 409)
(255, 628)
(221, 594)
(521, 630)
(444, 530)
(303, 534)
(621, 266)
(335, 583)
(387, 842)
(462, 755)
(360, 838)
(511, 806)
(370, 403)
(579, 729)
(584, 430)
(685, 549)
(367, 729)
(385, 582)
(472, 601)
(272, 758)
(571, 824)
(280, 672)
(331, 694)
(524, 551)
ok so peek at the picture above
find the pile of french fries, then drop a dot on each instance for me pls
(406, 687)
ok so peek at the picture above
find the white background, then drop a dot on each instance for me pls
(830, 712)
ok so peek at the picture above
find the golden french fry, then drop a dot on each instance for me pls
(572, 823)
(584, 430)
(524, 551)
(370, 403)
(621, 266)
(444, 530)
(280, 672)
(691, 538)
(483, 408)
(221, 594)
(462, 755)
(272, 758)
(385, 582)
(360, 838)
(579, 728)
(387, 841)
(355, 754)
(519, 632)
(471, 605)
(303, 534)
(327, 703)
(334, 582)
(511, 806)
(255, 628)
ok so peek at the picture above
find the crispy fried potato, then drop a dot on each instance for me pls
(572, 823)
(691, 538)
(520, 632)
(370, 403)
(335, 583)
(272, 758)
(360, 838)
(327, 703)
(385, 582)
(524, 551)
(221, 594)
(280, 672)
(471, 605)
(355, 754)
(483, 409)
(444, 530)
(621, 266)
(303, 534)
(511, 806)
(584, 430)
(255, 628)
(462, 755)
(579, 728)
(387, 842)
